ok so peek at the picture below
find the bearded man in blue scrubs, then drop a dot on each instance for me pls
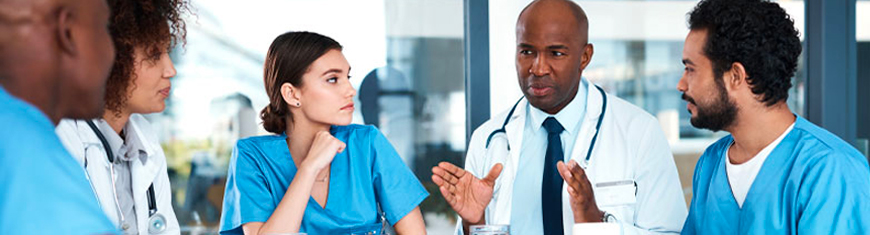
(776, 173)
(55, 56)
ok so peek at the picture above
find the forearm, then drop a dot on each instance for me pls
(412, 223)
(287, 217)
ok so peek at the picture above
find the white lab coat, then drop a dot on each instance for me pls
(80, 140)
(630, 146)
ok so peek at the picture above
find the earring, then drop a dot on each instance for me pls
(298, 104)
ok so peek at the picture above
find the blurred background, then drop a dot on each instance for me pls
(412, 66)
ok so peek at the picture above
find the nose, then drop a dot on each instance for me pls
(540, 67)
(169, 68)
(682, 86)
(350, 90)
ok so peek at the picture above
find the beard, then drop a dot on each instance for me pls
(716, 116)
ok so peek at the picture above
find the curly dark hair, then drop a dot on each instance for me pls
(155, 26)
(758, 34)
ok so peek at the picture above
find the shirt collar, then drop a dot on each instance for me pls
(569, 117)
(125, 150)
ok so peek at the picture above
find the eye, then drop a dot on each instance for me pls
(525, 52)
(558, 53)
(332, 80)
(348, 77)
(689, 69)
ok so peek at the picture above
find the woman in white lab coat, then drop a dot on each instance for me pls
(120, 152)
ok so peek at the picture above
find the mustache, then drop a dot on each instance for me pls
(688, 98)
(542, 81)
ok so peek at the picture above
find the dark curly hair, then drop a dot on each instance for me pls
(288, 59)
(758, 34)
(155, 26)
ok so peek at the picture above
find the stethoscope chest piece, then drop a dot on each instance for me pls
(157, 224)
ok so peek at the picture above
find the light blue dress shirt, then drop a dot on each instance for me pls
(43, 190)
(367, 174)
(527, 213)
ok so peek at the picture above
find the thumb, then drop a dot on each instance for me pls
(493, 173)
(341, 147)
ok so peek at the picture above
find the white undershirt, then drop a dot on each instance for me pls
(741, 176)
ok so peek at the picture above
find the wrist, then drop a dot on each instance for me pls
(478, 221)
(307, 171)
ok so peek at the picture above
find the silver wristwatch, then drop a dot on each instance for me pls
(607, 217)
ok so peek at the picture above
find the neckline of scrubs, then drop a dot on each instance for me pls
(765, 172)
(329, 191)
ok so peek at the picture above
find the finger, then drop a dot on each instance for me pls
(580, 178)
(577, 172)
(494, 173)
(452, 169)
(446, 176)
(341, 146)
(563, 171)
(437, 180)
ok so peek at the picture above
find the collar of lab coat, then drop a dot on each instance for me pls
(144, 172)
(514, 132)
(594, 101)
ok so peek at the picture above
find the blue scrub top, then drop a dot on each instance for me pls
(812, 183)
(43, 190)
(366, 174)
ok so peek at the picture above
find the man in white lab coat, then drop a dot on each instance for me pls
(619, 170)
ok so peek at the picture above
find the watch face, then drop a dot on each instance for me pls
(609, 218)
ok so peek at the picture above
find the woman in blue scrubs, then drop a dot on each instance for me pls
(318, 174)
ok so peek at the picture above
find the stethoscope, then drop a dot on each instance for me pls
(511, 113)
(156, 221)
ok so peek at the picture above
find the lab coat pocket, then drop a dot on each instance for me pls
(616, 193)
(617, 198)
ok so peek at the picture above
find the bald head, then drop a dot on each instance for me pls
(552, 51)
(564, 14)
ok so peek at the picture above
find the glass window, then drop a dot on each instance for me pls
(862, 34)
(407, 60)
(638, 53)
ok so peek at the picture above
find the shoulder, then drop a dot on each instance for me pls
(478, 137)
(258, 142)
(818, 148)
(70, 133)
(627, 115)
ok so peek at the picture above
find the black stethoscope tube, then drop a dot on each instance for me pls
(591, 144)
(152, 202)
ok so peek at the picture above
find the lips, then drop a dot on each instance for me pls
(165, 91)
(538, 90)
(348, 107)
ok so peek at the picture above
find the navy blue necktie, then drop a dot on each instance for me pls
(551, 188)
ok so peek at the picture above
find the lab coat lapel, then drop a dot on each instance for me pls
(594, 102)
(581, 146)
(143, 174)
(514, 133)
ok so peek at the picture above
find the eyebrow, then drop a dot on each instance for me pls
(688, 62)
(336, 70)
(553, 47)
